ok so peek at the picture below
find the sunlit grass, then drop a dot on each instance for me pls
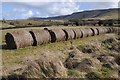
(11, 56)
(17, 56)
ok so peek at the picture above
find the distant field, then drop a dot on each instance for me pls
(13, 23)
(4, 25)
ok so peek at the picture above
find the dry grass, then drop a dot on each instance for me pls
(14, 59)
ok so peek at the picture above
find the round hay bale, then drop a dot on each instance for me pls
(116, 28)
(101, 30)
(90, 32)
(57, 35)
(105, 29)
(18, 39)
(108, 30)
(86, 32)
(69, 33)
(95, 31)
(112, 29)
(40, 37)
(77, 33)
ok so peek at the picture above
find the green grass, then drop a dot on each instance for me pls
(73, 73)
(80, 47)
(105, 71)
(94, 76)
(17, 57)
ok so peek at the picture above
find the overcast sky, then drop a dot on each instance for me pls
(13, 9)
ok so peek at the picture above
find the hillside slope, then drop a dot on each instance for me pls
(92, 14)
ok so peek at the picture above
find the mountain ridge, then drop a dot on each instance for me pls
(112, 13)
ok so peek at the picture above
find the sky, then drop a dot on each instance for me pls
(15, 9)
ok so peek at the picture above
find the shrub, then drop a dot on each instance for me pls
(86, 48)
(29, 23)
(73, 73)
(80, 47)
(105, 71)
(93, 76)
(12, 23)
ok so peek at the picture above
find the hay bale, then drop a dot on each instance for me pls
(101, 30)
(77, 33)
(69, 33)
(95, 31)
(18, 39)
(90, 32)
(57, 35)
(40, 37)
(86, 32)
(108, 30)
(111, 29)
(115, 28)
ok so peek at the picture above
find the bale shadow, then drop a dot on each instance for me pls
(14, 77)
(3, 47)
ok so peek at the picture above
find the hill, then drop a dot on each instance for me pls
(90, 14)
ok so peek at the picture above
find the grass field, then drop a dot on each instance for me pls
(16, 59)
(13, 59)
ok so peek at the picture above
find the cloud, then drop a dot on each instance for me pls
(19, 10)
(27, 14)
(30, 13)
(48, 8)
(63, 7)
(19, 14)
(60, 1)
(38, 13)
(55, 8)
